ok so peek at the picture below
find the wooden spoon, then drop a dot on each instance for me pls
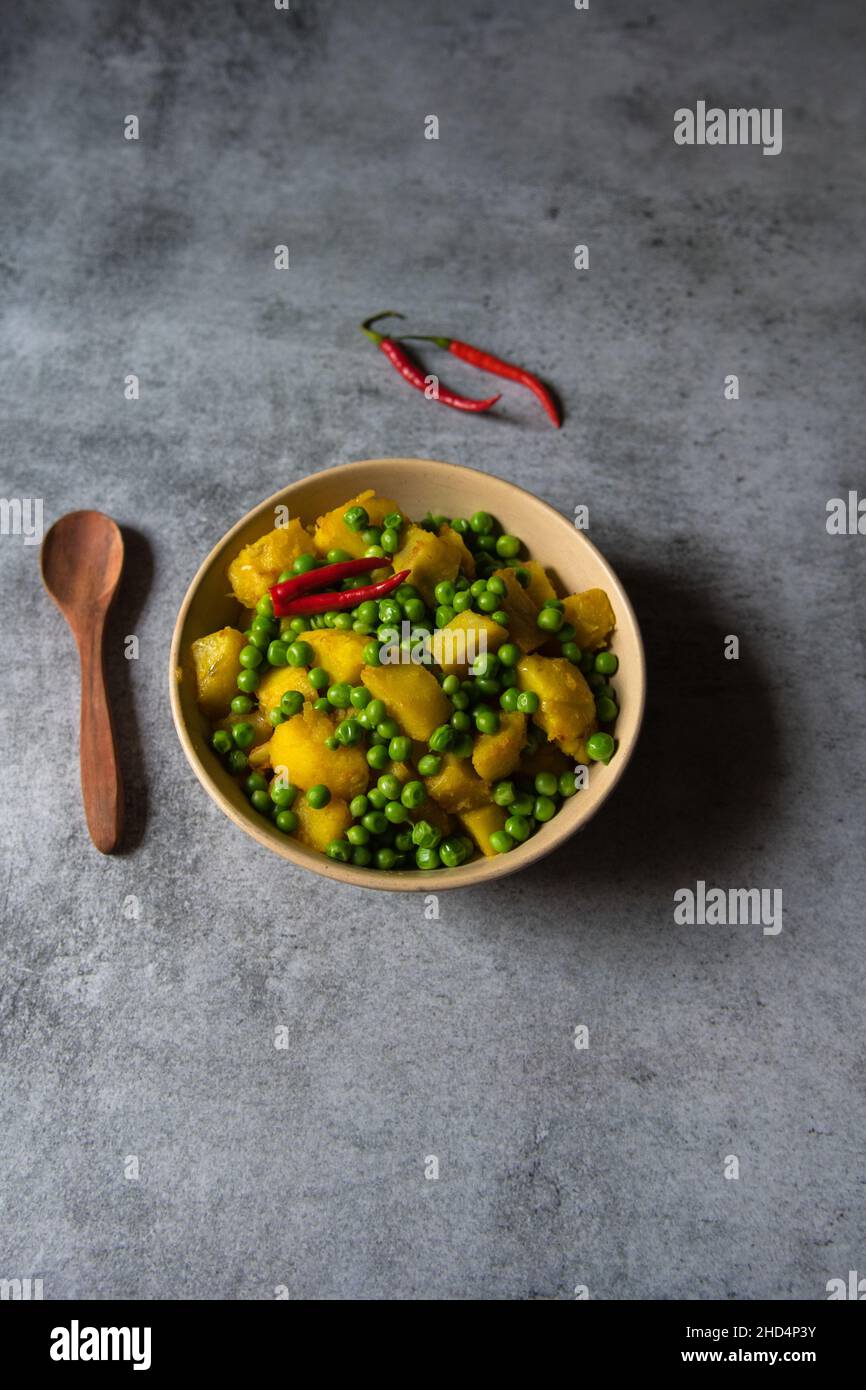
(82, 557)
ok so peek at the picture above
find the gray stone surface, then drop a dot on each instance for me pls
(408, 1038)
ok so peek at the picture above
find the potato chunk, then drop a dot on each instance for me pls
(216, 666)
(428, 558)
(298, 745)
(316, 829)
(566, 710)
(495, 755)
(412, 696)
(481, 824)
(456, 645)
(341, 654)
(259, 565)
(522, 614)
(465, 558)
(457, 786)
(592, 617)
(332, 533)
(279, 679)
(539, 587)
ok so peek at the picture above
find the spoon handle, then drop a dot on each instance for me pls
(101, 785)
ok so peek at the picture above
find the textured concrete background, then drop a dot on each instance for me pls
(408, 1038)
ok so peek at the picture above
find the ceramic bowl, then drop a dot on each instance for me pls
(419, 485)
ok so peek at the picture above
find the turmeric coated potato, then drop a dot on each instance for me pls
(566, 709)
(332, 533)
(215, 663)
(412, 696)
(298, 745)
(259, 565)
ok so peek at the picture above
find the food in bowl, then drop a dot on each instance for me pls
(401, 694)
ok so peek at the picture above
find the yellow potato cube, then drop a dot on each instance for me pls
(566, 710)
(412, 695)
(495, 755)
(216, 665)
(468, 635)
(316, 829)
(279, 679)
(259, 565)
(332, 533)
(522, 614)
(465, 558)
(457, 786)
(428, 558)
(339, 653)
(482, 823)
(298, 745)
(539, 587)
(592, 617)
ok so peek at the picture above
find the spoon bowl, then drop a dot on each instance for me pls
(82, 560)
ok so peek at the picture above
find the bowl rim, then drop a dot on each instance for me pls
(477, 871)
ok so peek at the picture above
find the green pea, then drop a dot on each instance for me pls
(374, 552)
(396, 812)
(567, 784)
(508, 547)
(265, 606)
(260, 640)
(286, 821)
(299, 654)
(521, 805)
(304, 563)
(340, 694)
(425, 835)
(337, 556)
(501, 841)
(221, 741)
(522, 576)
(556, 603)
(451, 684)
(414, 794)
(282, 793)
(545, 783)
(356, 518)
(486, 544)
(241, 704)
(453, 852)
(340, 850)
(544, 808)
(518, 828)
(388, 728)
(487, 602)
(487, 664)
(444, 592)
(400, 748)
(460, 525)
(347, 732)
(441, 738)
(462, 601)
(358, 806)
(389, 611)
(595, 680)
(460, 721)
(504, 793)
(276, 716)
(478, 587)
(481, 523)
(377, 757)
(371, 654)
(378, 800)
(260, 801)
(357, 834)
(600, 747)
(248, 680)
(527, 702)
(371, 535)
(429, 764)
(297, 625)
(394, 520)
(237, 760)
(262, 624)
(508, 654)
(385, 858)
(607, 663)
(403, 841)
(415, 610)
(607, 710)
(318, 796)
(277, 653)
(363, 629)
(485, 685)
(549, 620)
(374, 713)
(496, 585)
(332, 742)
(508, 699)
(318, 678)
(428, 858)
(443, 615)
(390, 540)
(390, 785)
(250, 657)
(572, 652)
(343, 622)
(321, 705)
(500, 616)
(255, 783)
(462, 746)
(486, 719)
(291, 703)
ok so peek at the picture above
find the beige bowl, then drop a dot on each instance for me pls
(419, 485)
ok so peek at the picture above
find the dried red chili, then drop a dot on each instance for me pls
(412, 372)
(487, 362)
(298, 603)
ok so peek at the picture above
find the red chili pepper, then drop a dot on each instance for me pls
(321, 578)
(346, 598)
(412, 372)
(486, 362)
